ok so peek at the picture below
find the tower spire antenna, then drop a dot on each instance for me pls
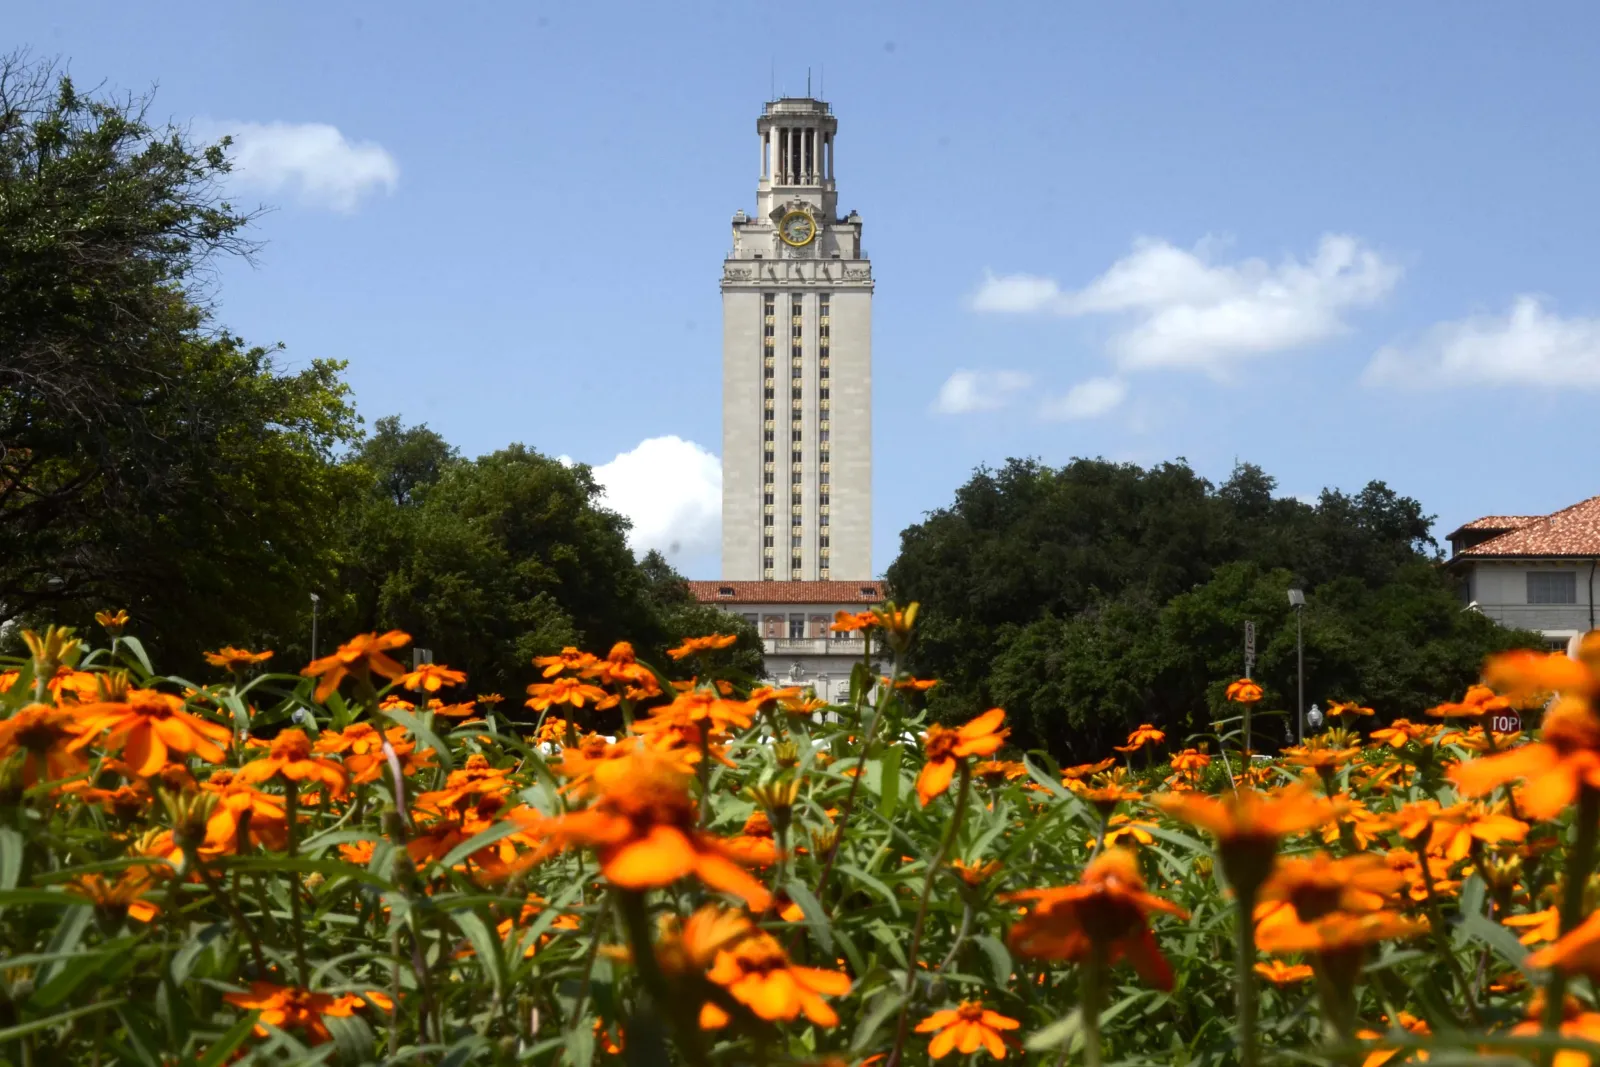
(772, 80)
(808, 83)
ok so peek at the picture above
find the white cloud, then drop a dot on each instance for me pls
(671, 489)
(1528, 345)
(312, 160)
(968, 390)
(1187, 311)
(1087, 400)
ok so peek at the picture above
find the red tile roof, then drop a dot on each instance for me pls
(866, 592)
(1573, 531)
(1500, 522)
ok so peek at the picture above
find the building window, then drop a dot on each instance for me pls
(823, 434)
(766, 541)
(766, 520)
(795, 436)
(794, 542)
(823, 543)
(823, 519)
(767, 390)
(823, 574)
(822, 393)
(822, 499)
(754, 621)
(766, 477)
(796, 456)
(1552, 587)
(797, 626)
(767, 496)
(822, 476)
(795, 564)
(768, 435)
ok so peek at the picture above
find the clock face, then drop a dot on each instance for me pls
(797, 228)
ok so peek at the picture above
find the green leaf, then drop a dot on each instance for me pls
(816, 917)
(11, 849)
(11, 1033)
(68, 932)
(999, 958)
(1056, 1034)
(225, 1045)
(486, 945)
(424, 735)
(886, 1006)
(889, 781)
(1500, 939)
(132, 644)
(872, 883)
(69, 975)
(482, 839)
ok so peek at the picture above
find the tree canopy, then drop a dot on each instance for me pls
(1092, 597)
(490, 562)
(148, 459)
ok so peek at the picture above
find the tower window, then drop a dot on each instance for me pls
(795, 435)
(766, 520)
(794, 542)
(822, 520)
(766, 542)
(795, 457)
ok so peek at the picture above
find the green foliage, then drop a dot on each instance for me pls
(493, 561)
(1090, 598)
(149, 461)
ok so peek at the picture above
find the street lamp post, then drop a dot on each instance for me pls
(1297, 600)
(316, 601)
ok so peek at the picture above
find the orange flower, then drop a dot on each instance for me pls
(1281, 974)
(544, 695)
(975, 874)
(1108, 907)
(146, 724)
(113, 900)
(290, 758)
(702, 706)
(236, 659)
(359, 656)
(1528, 678)
(1341, 932)
(621, 667)
(453, 711)
(1576, 952)
(1451, 831)
(569, 659)
(49, 736)
(490, 699)
(356, 852)
(1302, 891)
(1566, 755)
(1538, 925)
(1316, 755)
(112, 621)
(1402, 732)
(1336, 709)
(708, 643)
(237, 801)
(360, 745)
(982, 736)
(643, 827)
(1085, 770)
(1121, 828)
(1244, 691)
(845, 622)
(1190, 761)
(964, 1028)
(1248, 825)
(1575, 1022)
(464, 788)
(1479, 701)
(288, 1008)
(758, 973)
(1408, 1023)
(431, 677)
(920, 685)
(999, 771)
(691, 945)
(1144, 735)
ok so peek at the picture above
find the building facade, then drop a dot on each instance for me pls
(796, 366)
(1533, 572)
(794, 620)
(797, 410)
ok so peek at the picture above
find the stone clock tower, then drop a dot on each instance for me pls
(796, 367)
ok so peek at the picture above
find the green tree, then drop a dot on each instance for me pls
(148, 459)
(1083, 625)
(493, 561)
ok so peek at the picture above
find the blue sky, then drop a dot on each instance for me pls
(1345, 242)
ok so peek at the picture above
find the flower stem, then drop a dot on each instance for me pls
(902, 1028)
(1579, 863)
(1094, 973)
(849, 806)
(686, 1027)
(1245, 977)
(291, 808)
(1442, 939)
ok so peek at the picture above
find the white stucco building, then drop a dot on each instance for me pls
(1535, 572)
(797, 408)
